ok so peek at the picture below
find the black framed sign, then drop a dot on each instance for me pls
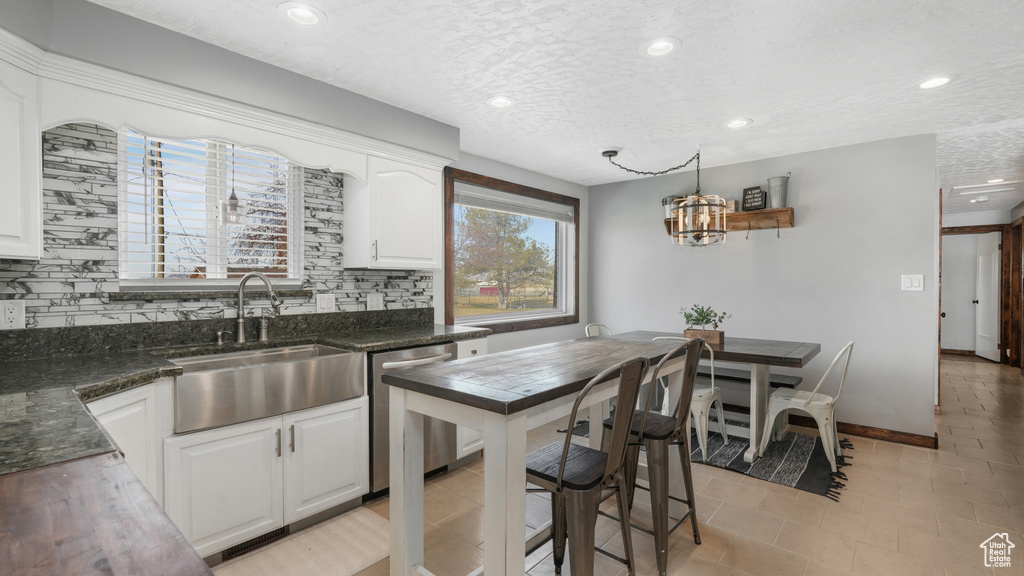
(754, 199)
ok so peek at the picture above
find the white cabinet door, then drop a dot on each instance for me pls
(327, 457)
(224, 486)
(468, 440)
(131, 419)
(406, 226)
(21, 169)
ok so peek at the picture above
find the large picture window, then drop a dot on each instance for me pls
(511, 254)
(204, 212)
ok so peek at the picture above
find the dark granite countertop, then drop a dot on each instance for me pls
(43, 420)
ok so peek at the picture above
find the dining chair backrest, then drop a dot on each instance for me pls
(630, 373)
(848, 352)
(683, 379)
(705, 345)
(597, 329)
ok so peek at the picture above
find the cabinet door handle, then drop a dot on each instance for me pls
(375, 250)
(292, 444)
(278, 442)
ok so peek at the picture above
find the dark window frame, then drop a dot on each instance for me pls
(451, 175)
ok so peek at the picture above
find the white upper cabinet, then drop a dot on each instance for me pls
(394, 222)
(21, 165)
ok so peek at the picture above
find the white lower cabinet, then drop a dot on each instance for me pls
(133, 421)
(224, 486)
(468, 440)
(328, 458)
(231, 484)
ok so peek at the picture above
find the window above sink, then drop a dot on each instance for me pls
(201, 213)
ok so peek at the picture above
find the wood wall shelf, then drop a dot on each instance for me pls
(753, 220)
(759, 220)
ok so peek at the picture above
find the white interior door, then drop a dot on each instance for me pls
(987, 341)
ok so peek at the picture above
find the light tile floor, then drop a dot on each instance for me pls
(905, 510)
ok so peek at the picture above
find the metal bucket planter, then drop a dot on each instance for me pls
(778, 188)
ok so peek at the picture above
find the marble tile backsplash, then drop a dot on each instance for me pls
(71, 285)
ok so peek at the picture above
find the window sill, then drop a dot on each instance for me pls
(522, 324)
(197, 295)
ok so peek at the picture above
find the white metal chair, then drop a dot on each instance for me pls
(821, 407)
(596, 329)
(703, 400)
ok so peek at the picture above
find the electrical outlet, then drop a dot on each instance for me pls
(325, 303)
(375, 301)
(12, 314)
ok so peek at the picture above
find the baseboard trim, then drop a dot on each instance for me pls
(872, 432)
(958, 352)
(857, 430)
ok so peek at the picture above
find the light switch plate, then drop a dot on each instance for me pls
(375, 301)
(12, 314)
(325, 303)
(913, 282)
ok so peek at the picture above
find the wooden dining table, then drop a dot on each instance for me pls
(503, 395)
(760, 355)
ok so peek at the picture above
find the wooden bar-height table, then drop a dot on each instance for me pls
(505, 394)
(761, 355)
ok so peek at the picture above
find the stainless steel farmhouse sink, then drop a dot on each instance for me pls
(217, 390)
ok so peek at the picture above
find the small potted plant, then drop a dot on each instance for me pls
(703, 316)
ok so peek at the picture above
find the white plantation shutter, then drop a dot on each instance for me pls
(170, 212)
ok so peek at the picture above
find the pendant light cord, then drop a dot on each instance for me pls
(612, 153)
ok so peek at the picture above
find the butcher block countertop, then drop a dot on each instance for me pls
(88, 516)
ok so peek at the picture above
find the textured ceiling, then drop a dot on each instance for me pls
(811, 75)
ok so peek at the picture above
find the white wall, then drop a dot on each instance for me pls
(865, 214)
(495, 169)
(976, 218)
(959, 287)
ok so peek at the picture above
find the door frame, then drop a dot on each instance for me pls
(1010, 320)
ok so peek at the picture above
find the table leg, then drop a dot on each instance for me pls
(759, 379)
(406, 455)
(504, 494)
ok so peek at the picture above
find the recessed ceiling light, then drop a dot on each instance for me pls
(995, 181)
(979, 199)
(740, 123)
(660, 47)
(302, 14)
(935, 82)
(501, 101)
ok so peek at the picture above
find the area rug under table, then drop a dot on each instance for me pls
(797, 461)
(340, 546)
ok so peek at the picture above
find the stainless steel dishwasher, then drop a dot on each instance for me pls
(439, 442)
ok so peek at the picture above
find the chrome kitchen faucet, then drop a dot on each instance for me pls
(274, 301)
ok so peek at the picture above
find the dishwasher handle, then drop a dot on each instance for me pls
(418, 362)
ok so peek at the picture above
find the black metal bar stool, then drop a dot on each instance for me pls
(577, 476)
(656, 432)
